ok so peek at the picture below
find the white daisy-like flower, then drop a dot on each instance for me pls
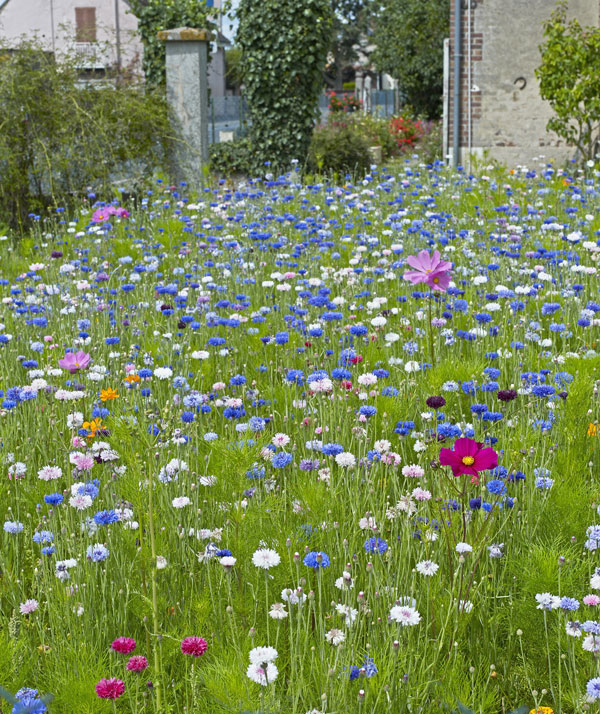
(278, 611)
(345, 459)
(335, 636)
(427, 567)
(261, 674)
(262, 655)
(266, 558)
(405, 615)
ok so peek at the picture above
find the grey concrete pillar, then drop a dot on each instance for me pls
(187, 95)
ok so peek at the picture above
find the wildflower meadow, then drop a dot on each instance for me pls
(305, 448)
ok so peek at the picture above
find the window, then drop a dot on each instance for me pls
(85, 24)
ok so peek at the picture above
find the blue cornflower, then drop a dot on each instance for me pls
(375, 545)
(210, 436)
(43, 537)
(13, 527)
(187, 417)
(97, 553)
(282, 459)
(543, 482)
(496, 487)
(591, 627)
(569, 603)
(105, 518)
(316, 560)
(53, 499)
(332, 449)
(367, 411)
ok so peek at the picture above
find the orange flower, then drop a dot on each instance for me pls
(132, 378)
(542, 710)
(108, 394)
(592, 429)
(93, 426)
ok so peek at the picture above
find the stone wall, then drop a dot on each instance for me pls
(508, 116)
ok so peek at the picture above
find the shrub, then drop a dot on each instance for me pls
(59, 137)
(344, 103)
(338, 149)
(405, 131)
(231, 157)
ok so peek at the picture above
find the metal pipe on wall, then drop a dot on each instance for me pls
(457, 87)
(469, 84)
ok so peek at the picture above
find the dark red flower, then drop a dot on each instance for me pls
(507, 395)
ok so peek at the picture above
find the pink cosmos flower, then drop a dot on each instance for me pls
(429, 269)
(103, 214)
(74, 361)
(110, 688)
(124, 645)
(468, 457)
(137, 663)
(195, 646)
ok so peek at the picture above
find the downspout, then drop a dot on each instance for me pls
(457, 87)
(469, 83)
(118, 40)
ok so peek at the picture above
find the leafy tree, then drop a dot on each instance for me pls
(409, 36)
(351, 24)
(285, 47)
(570, 81)
(156, 15)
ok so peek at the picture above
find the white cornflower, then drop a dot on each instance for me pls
(427, 567)
(163, 373)
(278, 611)
(464, 548)
(547, 601)
(266, 558)
(345, 459)
(181, 502)
(335, 636)
(262, 655)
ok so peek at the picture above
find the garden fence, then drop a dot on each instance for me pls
(229, 116)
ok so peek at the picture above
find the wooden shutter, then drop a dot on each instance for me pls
(85, 24)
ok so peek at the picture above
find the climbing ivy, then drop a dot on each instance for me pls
(156, 15)
(284, 46)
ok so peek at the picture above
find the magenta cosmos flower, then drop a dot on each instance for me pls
(103, 214)
(74, 361)
(194, 646)
(110, 688)
(469, 458)
(429, 269)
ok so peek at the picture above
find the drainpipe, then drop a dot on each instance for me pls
(469, 83)
(118, 40)
(457, 87)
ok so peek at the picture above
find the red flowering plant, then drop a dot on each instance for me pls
(343, 103)
(405, 131)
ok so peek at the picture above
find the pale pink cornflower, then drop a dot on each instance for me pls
(405, 616)
(413, 471)
(280, 440)
(84, 462)
(591, 600)
(421, 494)
(49, 473)
(28, 606)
